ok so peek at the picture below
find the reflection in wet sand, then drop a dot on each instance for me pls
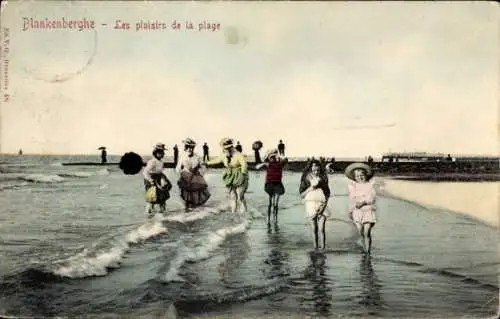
(235, 252)
(315, 273)
(370, 294)
(277, 262)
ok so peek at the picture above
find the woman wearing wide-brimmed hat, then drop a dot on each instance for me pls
(274, 186)
(192, 185)
(235, 176)
(154, 177)
(315, 191)
(361, 203)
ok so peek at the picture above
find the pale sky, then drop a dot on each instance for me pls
(333, 79)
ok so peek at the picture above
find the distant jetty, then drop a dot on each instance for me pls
(89, 164)
(462, 170)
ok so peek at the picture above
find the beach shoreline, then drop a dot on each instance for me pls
(467, 200)
(444, 177)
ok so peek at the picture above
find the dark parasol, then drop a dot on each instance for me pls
(257, 145)
(131, 163)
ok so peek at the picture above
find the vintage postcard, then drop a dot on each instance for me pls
(219, 159)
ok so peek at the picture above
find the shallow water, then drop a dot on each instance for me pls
(75, 241)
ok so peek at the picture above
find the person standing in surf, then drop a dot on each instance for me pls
(361, 203)
(205, 152)
(315, 192)
(235, 176)
(154, 177)
(104, 155)
(192, 185)
(274, 185)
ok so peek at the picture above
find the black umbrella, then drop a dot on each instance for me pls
(102, 148)
(257, 145)
(131, 163)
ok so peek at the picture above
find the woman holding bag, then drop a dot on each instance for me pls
(156, 183)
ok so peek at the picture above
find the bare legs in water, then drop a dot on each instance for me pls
(237, 200)
(150, 209)
(365, 231)
(318, 227)
(233, 200)
(240, 198)
(273, 208)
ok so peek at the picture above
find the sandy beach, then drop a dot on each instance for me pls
(477, 199)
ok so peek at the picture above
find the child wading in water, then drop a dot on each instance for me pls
(154, 177)
(315, 191)
(274, 186)
(362, 201)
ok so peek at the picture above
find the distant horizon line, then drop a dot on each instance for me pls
(299, 156)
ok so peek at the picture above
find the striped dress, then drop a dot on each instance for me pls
(274, 174)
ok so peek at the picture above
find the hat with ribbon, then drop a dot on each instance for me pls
(349, 171)
(226, 143)
(189, 142)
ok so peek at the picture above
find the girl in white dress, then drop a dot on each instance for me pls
(315, 192)
(192, 185)
(362, 198)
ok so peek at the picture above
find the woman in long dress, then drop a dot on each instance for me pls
(154, 177)
(362, 198)
(315, 192)
(235, 176)
(192, 185)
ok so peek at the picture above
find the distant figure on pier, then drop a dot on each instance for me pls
(238, 147)
(281, 148)
(176, 154)
(205, 152)
(449, 159)
(370, 160)
(104, 155)
(20, 152)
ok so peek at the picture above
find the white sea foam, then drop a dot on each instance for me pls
(42, 178)
(208, 244)
(86, 264)
(13, 185)
(192, 216)
(102, 172)
(76, 174)
(36, 178)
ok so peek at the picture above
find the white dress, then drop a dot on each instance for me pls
(187, 163)
(314, 200)
(362, 192)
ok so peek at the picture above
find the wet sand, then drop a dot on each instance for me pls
(479, 200)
